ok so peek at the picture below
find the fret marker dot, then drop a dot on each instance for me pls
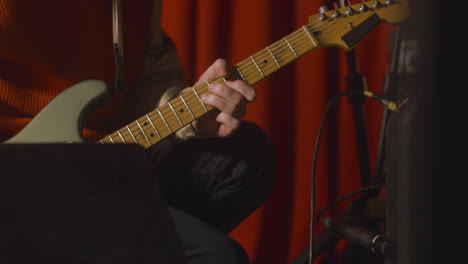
(265, 61)
(145, 123)
(181, 110)
(151, 135)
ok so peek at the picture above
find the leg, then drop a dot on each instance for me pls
(219, 180)
(203, 244)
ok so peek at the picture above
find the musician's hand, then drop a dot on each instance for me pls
(230, 103)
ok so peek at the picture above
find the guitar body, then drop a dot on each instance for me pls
(61, 120)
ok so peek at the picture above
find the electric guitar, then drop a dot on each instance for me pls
(61, 120)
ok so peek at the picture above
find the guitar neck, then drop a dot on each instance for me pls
(343, 27)
(274, 57)
(187, 107)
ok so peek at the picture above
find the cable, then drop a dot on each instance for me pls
(382, 100)
(337, 201)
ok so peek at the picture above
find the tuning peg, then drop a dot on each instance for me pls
(376, 4)
(349, 11)
(322, 11)
(363, 8)
(336, 14)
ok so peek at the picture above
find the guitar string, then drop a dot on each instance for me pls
(260, 56)
(127, 134)
(292, 39)
(254, 70)
(282, 45)
(297, 38)
(263, 54)
(309, 27)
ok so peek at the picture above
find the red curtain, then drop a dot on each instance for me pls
(289, 107)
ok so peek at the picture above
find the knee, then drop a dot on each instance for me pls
(203, 243)
(254, 139)
(225, 250)
(260, 156)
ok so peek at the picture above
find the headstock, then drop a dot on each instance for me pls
(345, 27)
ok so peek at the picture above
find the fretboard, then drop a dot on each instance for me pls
(277, 55)
(343, 27)
(187, 107)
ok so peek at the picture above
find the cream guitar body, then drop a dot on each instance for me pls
(61, 120)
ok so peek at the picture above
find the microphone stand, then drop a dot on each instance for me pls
(355, 82)
(353, 253)
(363, 232)
(358, 229)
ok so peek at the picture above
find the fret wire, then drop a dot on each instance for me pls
(144, 134)
(273, 56)
(190, 98)
(163, 119)
(206, 110)
(102, 142)
(258, 68)
(269, 66)
(297, 33)
(195, 104)
(271, 53)
(249, 68)
(186, 106)
(297, 37)
(301, 42)
(111, 139)
(200, 111)
(172, 108)
(121, 137)
(281, 45)
(191, 102)
(131, 134)
(195, 111)
(310, 36)
(264, 54)
(178, 104)
(242, 75)
(151, 122)
(289, 44)
(311, 25)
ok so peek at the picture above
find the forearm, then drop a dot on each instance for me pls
(161, 71)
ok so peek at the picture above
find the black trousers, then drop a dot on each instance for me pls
(213, 184)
